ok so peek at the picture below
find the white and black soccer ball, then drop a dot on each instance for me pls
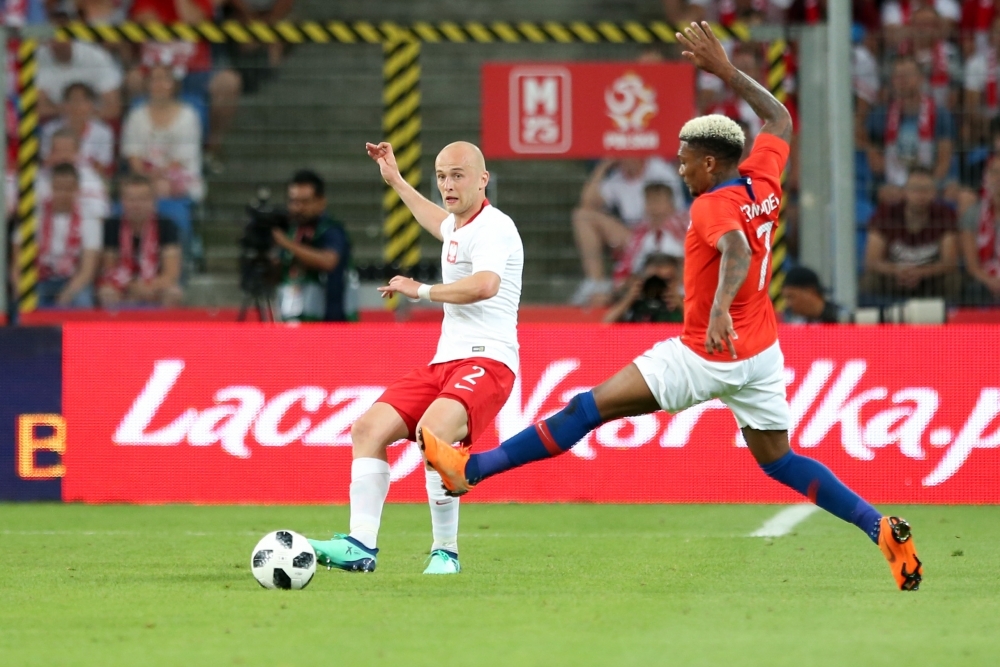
(283, 559)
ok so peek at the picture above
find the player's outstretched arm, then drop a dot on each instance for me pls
(480, 286)
(705, 50)
(733, 269)
(428, 214)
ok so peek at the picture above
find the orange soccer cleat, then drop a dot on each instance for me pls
(447, 460)
(895, 539)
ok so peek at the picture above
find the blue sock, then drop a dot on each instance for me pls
(815, 481)
(545, 439)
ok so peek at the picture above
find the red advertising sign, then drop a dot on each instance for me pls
(584, 110)
(261, 414)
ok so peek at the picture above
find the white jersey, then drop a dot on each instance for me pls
(487, 242)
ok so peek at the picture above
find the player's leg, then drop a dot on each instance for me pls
(450, 419)
(624, 394)
(378, 427)
(761, 410)
(473, 392)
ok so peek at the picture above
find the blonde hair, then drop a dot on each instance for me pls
(714, 129)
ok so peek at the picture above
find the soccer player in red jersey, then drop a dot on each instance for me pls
(729, 345)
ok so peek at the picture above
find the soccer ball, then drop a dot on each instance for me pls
(283, 559)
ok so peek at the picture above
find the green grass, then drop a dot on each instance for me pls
(543, 585)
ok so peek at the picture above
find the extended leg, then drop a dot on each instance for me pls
(625, 394)
(818, 483)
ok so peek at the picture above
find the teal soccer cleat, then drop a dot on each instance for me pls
(443, 562)
(345, 553)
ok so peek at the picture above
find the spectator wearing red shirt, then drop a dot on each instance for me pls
(913, 246)
(939, 60)
(220, 86)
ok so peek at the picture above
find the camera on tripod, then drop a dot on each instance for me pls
(259, 270)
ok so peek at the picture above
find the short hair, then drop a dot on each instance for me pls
(658, 186)
(904, 60)
(65, 169)
(715, 134)
(920, 171)
(82, 87)
(661, 259)
(66, 133)
(309, 177)
(136, 179)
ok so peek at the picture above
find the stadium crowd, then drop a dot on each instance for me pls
(152, 117)
(126, 135)
(927, 129)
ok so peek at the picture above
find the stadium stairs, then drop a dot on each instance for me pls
(325, 101)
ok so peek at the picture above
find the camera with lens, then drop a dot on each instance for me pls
(259, 272)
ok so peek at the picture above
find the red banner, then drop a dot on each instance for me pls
(584, 110)
(262, 414)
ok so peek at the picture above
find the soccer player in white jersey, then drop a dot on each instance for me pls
(470, 377)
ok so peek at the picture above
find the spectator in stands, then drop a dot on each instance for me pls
(981, 100)
(141, 261)
(806, 301)
(748, 59)
(977, 17)
(315, 256)
(254, 61)
(95, 137)
(653, 295)
(220, 86)
(980, 233)
(939, 59)
(63, 63)
(611, 204)
(93, 195)
(162, 140)
(912, 131)
(897, 17)
(865, 78)
(913, 246)
(69, 245)
(662, 231)
(102, 12)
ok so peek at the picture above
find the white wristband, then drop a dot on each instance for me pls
(424, 292)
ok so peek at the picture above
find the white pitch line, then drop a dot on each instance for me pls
(783, 522)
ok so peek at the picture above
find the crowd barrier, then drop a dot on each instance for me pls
(227, 413)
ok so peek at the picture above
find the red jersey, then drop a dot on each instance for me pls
(749, 204)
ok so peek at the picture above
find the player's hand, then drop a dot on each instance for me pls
(720, 335)
(704, 49)
(382, 154)
(403, 285)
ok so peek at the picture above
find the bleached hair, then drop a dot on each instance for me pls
(713, 128)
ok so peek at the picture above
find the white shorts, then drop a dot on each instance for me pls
(754, 388)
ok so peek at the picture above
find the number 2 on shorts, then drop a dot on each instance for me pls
(478, 372)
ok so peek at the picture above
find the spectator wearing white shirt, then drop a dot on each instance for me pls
(981, 97)
(63, 63)
(93, 196)
(611, 204)
(162, 140)
(69, 245)
(95, 137)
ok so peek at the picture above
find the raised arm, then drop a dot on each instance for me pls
(705, 50)
(428, 214)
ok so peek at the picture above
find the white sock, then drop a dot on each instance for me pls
(369, 487)
(444, 513)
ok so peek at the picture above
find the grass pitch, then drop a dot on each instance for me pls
(543, 585)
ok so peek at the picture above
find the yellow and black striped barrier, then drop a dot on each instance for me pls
(27, 172)
(401, 128)
(365, 32)
(776, 78)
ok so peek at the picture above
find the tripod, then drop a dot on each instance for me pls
(262, 302)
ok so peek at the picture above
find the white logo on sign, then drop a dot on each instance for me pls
(631, 104)
(540, 109)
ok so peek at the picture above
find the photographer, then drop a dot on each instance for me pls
(653, 295)
(314, 255)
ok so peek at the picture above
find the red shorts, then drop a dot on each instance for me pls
(481, 385)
